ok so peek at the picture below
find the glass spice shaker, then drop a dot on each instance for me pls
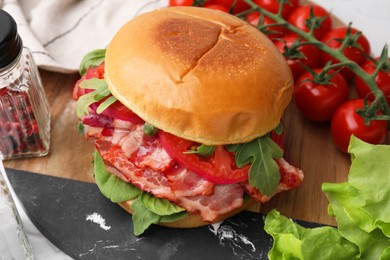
(24, 110)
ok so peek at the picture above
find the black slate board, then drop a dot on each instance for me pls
(59, 208)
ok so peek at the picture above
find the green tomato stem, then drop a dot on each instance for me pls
(380, 100)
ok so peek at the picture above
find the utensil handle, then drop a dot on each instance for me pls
(6, 193)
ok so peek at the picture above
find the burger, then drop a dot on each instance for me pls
(184, 108)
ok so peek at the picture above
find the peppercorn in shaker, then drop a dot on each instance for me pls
(24, 110)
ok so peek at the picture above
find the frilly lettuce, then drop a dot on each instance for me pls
(292, 241)
(361, 207)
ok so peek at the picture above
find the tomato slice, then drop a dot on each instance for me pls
(95, 72)
(118, 111)
(220, 168)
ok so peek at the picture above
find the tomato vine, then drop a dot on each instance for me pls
(369, 111)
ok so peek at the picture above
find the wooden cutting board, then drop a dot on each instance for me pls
(308, 145)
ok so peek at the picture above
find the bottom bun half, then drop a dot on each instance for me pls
(192, 220)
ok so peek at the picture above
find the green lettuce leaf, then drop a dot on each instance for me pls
(362, 204)
(370, 175)
(93, 58)
(111, 186)
(147, 209)
(361, 207)
(173, 217)
(292, 241)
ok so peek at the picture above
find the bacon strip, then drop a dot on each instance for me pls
(224, 199)
(145, 179)
(185, 183)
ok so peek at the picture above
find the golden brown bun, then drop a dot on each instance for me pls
(199, 74)
(191, 220)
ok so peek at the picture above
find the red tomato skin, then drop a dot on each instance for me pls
(353, 53)
(254, 17)
(346, 122)
(319, 102)
(273, 6)
(220, 168)
(382, 80)
(300, 14)
(181, 2)
(217, 7)
(311, 53)
(238, 8)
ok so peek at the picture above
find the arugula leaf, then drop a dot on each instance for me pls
(264, 171)
(93, 83)
(111, 186)
(100, 91)
(80, 128)
(279, 129)
(202, 150)
(93, 58)
(105, 104)
(232, 147)
(161, 207)
(142, 217)
(149, 129)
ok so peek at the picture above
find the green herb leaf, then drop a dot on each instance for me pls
(202, 150)
(93, 58)
(264, 171)
(142, 217)
(232, 147)
(100, 91)
(105, 104)
(173, 217)
(111, 186)
(279, 129)
(161, 207)
(80, 128)
(147, 209)
(93, 83)
(149, 130)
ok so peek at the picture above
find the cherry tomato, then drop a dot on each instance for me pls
(319, 102)
(181, 2)
(219, 168)
(311, 53)
(238, 8)
(347, 122)
(299, 16)
(278, 31)
(382, 80)
(332, 39)
(273, 6)
(217, 7)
